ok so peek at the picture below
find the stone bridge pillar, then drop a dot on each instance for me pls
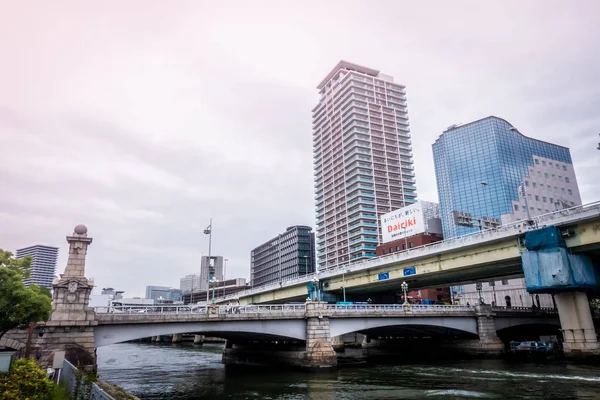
(319, 344)
(579, 335)
(489, 342)
(71, 324)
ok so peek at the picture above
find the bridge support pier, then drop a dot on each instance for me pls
(176, 338)
(198, 339)
(319, 344)
(316, 353)
(489, 342)
(579, 334)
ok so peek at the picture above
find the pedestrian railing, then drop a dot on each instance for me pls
(77, 387)
(160, 309)
(397, 307)
(191, 309)
(548, 310)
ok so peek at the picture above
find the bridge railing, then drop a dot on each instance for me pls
(160, 309)
(397, 307)
(186, 309)
(473, 238)
(547, 310)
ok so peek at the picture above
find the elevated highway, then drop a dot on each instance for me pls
(482, 256)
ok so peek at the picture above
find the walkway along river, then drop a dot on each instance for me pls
(186, 371)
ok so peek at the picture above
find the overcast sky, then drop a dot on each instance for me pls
(143, 119)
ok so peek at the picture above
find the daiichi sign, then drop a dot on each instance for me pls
(421, 217)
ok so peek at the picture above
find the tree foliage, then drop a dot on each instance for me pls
(20, 305)
(26, 380)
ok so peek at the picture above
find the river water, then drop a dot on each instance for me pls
(191, 372)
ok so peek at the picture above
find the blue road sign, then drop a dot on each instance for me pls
(383, 276)
(410, 271)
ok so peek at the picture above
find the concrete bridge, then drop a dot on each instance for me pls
(305, 335)
(301, 334)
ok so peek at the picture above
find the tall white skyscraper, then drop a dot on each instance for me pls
(43, 265)
(363, 161)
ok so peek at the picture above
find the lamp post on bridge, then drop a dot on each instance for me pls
(479, 287)
(208, 231)
(404, 287)
(214, 282)
(315, 281)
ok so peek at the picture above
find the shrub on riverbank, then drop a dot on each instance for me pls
(25, 381)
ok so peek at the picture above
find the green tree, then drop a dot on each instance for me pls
(20, 305)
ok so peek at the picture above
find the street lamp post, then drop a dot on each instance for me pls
(404, 287)
(523, 193)
(214, 282)
(208, 231)
(344, 285)
(305, 265)
(479, 287)
(316, 285)
(224, 274)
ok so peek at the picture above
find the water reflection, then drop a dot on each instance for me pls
(189, 372)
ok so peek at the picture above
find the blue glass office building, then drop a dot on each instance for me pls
(480, 165)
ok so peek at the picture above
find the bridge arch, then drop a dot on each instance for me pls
(291, 329)
(464, 325)
(13, 344)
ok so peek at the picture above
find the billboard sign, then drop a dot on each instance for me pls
(404, 222)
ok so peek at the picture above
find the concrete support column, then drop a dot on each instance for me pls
(489, 342)
(199, 339)
(176, 338)
(576, 324)
(319, 345)
(155, 339)
(338, 344)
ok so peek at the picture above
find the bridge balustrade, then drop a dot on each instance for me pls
(397, 307)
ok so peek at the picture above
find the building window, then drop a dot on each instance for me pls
(537, 161)
(566, 179)
(529, 195)
(543, 162)
(531, 208)
(404, 247)
(384, 250)
(397, 248)
(553, 176)
(534, 184)
(537, 198)
(390, 250)
(539, 210)
(570, 192)
(546, 210)
(541, 185)
(504, 282)
(564, 167)
(546, 175)
(551, 200)
(516, 207)
(550, 164)
(526, 183)
(410, 244)
(544, 199)
(562, 189)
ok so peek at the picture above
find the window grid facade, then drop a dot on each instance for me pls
(286, 256)
(43, 265)
(363, 161)
(480, 166)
